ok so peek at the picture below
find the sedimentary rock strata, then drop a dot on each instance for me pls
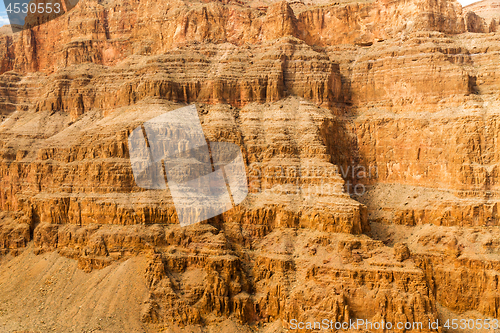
(369, 132)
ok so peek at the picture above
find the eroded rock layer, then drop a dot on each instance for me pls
(369, 132)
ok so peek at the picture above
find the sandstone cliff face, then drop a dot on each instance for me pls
(406, 91)
(453, 158)
(485, 15)
(107, 34)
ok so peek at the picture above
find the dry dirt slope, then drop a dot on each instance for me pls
(51, 294)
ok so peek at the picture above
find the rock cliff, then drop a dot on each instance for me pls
(484, 15)
(369, 130)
